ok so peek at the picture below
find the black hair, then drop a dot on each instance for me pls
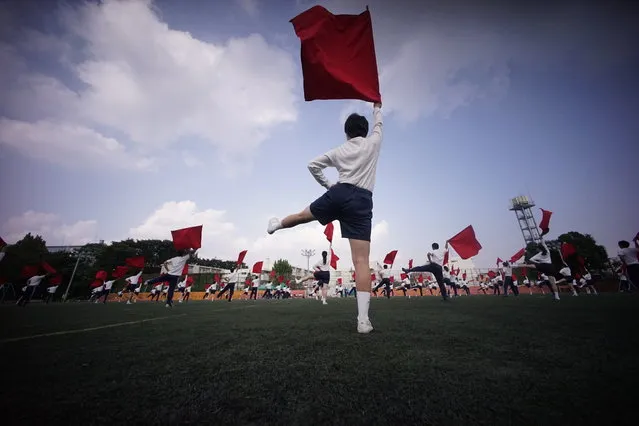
(356, 125)
(385, 266)
(543, 250)
(182, 252)
(505, 264)
(446, 268)
(324, 256)
(435, 246)
(624, 244)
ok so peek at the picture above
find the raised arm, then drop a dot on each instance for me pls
(376, 133)
(317, 166)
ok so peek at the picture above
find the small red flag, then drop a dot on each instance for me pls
(373, 277)
(185, 270)
(567, 250)
(271, 274)
(257, 268)
(492, 274)
(464, 276)
(465, 243)
(524, 272)
(410, 264)
(288, 282)
(55, 280)
(334, 259)
(390, 257)
(101, 275)
(544, 225)
(392, 279)
(135, 262)
(240, 257)
(353, 276)
(96, 283)
(217, 278)
(280, 278)
(48, 268)
(338, 55)
(120, 271)
(189, 281)
(187, 238)
(403, 276)
(445, 262)
(339, 281)
(420, 278)
(518, 255)
(328, 231)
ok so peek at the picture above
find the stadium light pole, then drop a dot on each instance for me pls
(308, 253)
(66, 293)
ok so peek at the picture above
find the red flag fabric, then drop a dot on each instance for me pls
(420, 278)
(464, 276)
(187, 238)
(410, 264)
(498, 262)
(272, 274)
(135, 262)
(353, 276)
(120, 271)
(518, 255)
(392, 279)
(328, 231)
(29, 271)
(48, 268)
(2, 243)
(288, 282)
(101, 275)
(338, 55)
(544, 225)
(55, 280)
(390, 257)
(567, 250)
(373, 277)
(189, 281)
(334, 259)
(217, 278)
(240, 257)
(96, 283)
(524, 272)
(257, 268)
(280, 278)
(339, 281)
(185, 270)
(247, 282)
(445, 262)
(403, 276)
(465, 243)
(492, 274)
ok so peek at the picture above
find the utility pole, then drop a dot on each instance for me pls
(308, 253)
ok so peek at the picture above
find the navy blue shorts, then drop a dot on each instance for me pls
(322, 277)
(351, 206)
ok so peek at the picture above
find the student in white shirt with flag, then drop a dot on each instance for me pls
(174, 268)
(231, 280)
(133, 287)
(543, 263)
(434, 266)
(350, 200)
(322, 274)
(507, 272)
(108, 285)
(268, 291)
(384, 275)
(629, 256)
(32, 285)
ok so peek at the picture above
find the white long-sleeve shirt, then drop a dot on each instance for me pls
(540, 257)
(320, 266)
(355, 160)
(176, 264)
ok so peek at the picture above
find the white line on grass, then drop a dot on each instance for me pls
(120, 324)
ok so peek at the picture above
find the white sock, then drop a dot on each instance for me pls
(363, 302)
(556, 296)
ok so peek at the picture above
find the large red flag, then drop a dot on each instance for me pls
(55, 280)
(96, 283)
(334, 259)
(338, 55)
(445, 261)
(544, 225)
(518, 255)
(241, 257)
(187, 238)
(101, 275)
(29, 271)
(135, 262)
(120, 271)
(390, 257)
(328, 231)
(410, 264)
(465, 243)
(48, 268)
(185, 270)
(567, 250)
(257, 268)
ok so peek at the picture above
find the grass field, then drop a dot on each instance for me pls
(477, 360)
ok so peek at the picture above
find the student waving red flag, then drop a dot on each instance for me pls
(135, 262)
(544, 225)
(187, 238)
(465, 243)
(328, 231)
(390, 257)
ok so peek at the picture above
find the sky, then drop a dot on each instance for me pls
(127, 119)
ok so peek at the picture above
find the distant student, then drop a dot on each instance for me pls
(384, 275)
(207, 291)
(543, 263)
(417, 286)
(133, 287)
(350, 200)
(268, 291)
(339, 289)
(231, 280)
(108, 285)
(174, 268)
(50, 293)
(187, 291)
(322, 275)
(629, 257)
(588, 283)
(464, 286)
(507, 272)
(449, 280)
(255, 285)
(434, 266)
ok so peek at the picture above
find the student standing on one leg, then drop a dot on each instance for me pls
(174, 268)
(434, 266)
(629, 258)
(29, 289)
(255, 285)
(543, 263)
(133, 286)
(231, 280)
(450, 281)
(350, 200)
(322, 274)
(108, 285)
(507, 271)
(384, 274)
(267, 292)
(587, 282)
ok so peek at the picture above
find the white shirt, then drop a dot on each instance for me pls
(384, 273)
(544, 277)
(406, 281)
(436, 257)
(355, 160)
(588, 277)
(98, 289)
(134, 279)
(256, 283)
(565, 271)
(108, 284)
(233, 277)
(540, 257)
(176, 264)
(629, 255)
(446, 273)
(52, 289)
(269, 286)
(158, 287)
(507, 271)
(278, 288)
(320, 266)
(35, 280)
(526, 281)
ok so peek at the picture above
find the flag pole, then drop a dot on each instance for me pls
(66, 293)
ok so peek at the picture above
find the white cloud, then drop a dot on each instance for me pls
(221, 239)
(156, 86)
(250, 6)
(50, 227)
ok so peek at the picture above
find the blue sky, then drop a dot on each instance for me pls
(129, 119)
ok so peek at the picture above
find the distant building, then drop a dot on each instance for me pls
(57, 249)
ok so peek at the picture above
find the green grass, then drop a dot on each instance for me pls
(477, 360)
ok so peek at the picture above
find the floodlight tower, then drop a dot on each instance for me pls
(522, 206)
(308, 253)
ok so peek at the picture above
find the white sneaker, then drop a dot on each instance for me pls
(324, 302)
(128, 302)
(364, 327)
(273, 225)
